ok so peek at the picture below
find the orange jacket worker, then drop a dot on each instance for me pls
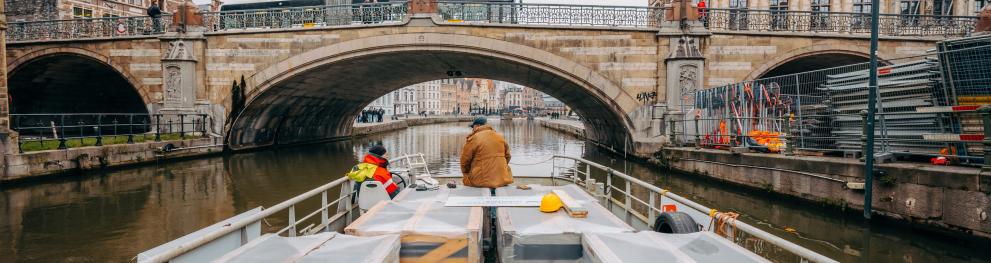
(485, 157)
(377, 156)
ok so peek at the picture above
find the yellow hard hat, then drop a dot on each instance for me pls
(550, 203)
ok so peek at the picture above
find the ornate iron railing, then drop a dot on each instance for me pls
(61, 131)
(550, 14)
(307, 17)
(835, 22)
(88, 28)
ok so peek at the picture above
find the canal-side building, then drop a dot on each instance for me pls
(428, 97)
(464, 96)
(405, 101)
(448, 96)
(36, 10)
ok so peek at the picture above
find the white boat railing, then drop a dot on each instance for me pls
(655, 194)
(344, 211)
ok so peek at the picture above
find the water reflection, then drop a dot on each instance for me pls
(111, 217)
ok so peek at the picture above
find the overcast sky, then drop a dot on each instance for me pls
(582, 2)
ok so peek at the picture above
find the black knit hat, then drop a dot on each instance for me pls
(377, 150)
(478, 121)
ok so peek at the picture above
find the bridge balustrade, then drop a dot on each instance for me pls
(715, 19)
(307, 17)
(749, 20)
(88, 28)
(551, 14)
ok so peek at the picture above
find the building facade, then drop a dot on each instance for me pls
(405, 101)
(428, 97)
(448, 96)
(35, 10)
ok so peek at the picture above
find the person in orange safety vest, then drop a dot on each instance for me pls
(377, 156)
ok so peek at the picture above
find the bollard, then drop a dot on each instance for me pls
(158, 127)
(671, 135)
(698, 136)
(863, 135)
(986, 120)
(182, 128)
(789, 149)
(99, 130)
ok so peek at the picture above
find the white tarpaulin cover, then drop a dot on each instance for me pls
(526, 234)
(426, 225)
(441, 194)
(649, 247)
(323, 247)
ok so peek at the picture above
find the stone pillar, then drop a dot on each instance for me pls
(8, 139)
(684, 74)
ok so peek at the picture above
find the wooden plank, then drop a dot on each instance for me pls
(419, 238)
(352, 229)
(474, 227)
(444, 251)
(571, 205)
(415, 219)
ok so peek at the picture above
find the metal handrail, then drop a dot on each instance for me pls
(41, 127)
(237, 225)
(306, 17)
(550, 14)
(744, 227)
(288, 205)
(765, 20)
(88, 28)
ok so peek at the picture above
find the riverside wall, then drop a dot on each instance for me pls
(951, 199)
(43, 164)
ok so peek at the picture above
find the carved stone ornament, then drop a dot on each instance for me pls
(179, 51)
(688, 81)
(173, 84)
(687, 47)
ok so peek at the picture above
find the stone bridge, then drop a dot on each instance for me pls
(306, 76)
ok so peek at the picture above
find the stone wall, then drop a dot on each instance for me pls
(70, 161)
(31, 10)
(942, 197)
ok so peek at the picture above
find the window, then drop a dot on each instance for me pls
(779, 16)
(980, 4)
(820, 5)
(820, 18)
(136, 2)
(862, 6)
(79, 12)
(110, 15)
(909, 7)
(737, 3)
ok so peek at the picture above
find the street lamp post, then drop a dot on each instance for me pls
(869, 125)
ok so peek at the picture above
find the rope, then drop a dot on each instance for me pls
(536, 163)
(720, 222)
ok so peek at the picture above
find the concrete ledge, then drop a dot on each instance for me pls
(54, 162)
(942, 197)
(566, 126)
(363, 129)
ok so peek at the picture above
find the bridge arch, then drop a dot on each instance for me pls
(68, 73)
(810, 58)
(317, 95)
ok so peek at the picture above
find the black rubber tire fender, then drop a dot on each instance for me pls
(675, 223)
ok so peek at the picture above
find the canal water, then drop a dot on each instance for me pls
(113, 216)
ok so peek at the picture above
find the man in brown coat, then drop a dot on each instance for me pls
(485, 157)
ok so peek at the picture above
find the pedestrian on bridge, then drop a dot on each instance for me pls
(155, 13)
(485, 157)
